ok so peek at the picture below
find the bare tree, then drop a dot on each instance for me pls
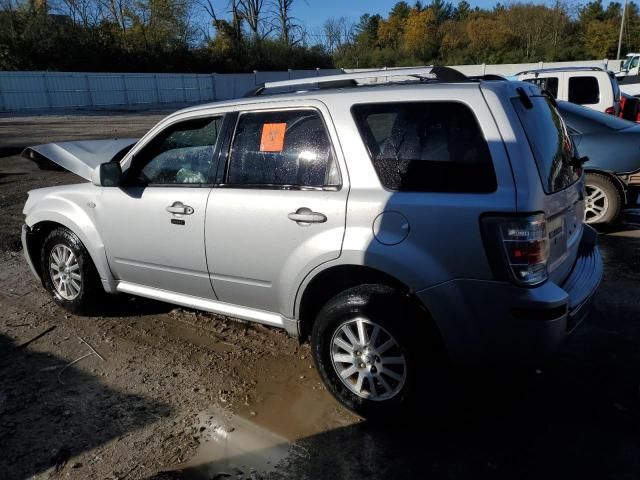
(337, 33)
(209, 9)
(251, 12)
(117, 11)
(285, 22)
(83, 12)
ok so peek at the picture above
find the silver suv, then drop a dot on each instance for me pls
(398, 224)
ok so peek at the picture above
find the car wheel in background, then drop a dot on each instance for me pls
(68, 272)
(603, 200)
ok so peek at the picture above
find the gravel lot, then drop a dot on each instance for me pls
(173, 393)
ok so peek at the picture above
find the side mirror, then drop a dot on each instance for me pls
(107, 175)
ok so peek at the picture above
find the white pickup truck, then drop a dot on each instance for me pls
(629, 74)
(591, 87)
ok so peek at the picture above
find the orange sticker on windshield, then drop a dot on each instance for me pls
(272, 137)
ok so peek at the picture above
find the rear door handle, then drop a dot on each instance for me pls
(305, 215)
(180, 208)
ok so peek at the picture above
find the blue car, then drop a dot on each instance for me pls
(612, 173)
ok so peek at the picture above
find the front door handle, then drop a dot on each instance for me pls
(304, 215)
(180, 208)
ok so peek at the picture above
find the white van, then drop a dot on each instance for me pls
(592, 87)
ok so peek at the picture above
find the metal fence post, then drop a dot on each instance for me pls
(157, 88)
(184, 89)
(47, 93)
(4, 106)
(484, 69)
(86, 77)
(124, 89)
(213, 86)
(289, 72)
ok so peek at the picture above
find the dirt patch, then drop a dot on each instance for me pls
(140, 406)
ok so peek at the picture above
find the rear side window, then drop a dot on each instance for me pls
(584, 90)
(288, 148)
(550, 84)
(426, 146)
(550, 142)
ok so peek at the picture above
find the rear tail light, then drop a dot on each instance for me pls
(610, 110)
(518, 248)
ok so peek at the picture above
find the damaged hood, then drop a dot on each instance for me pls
(80, 157)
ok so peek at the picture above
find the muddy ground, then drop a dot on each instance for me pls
(148, 390)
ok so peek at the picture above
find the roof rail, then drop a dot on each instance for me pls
(444, 74)
(562, 69)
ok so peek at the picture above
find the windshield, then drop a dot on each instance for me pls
(586, 120)
(631, 61)
(549, 139)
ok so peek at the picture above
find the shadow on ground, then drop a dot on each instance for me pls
(576, 417)
(44, 423)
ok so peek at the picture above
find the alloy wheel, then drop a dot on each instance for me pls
(368, 359)
(64, 270)
(596, 204)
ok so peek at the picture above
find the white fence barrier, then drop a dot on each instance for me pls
(513, 68)
(25, 91)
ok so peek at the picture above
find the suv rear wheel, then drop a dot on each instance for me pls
(366, 350)
(603, 201)
(68, 272)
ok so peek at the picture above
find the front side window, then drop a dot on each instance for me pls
(426, 146)
(283, 149)
(181, 154)
(550, 84)
(584, 90)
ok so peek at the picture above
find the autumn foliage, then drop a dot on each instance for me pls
(243, 35)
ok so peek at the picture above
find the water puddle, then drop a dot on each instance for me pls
(232, 446)
(288, 403)
(290, 400)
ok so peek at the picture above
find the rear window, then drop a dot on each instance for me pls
(550, 142)
(550, 84)
(426, 146)
(584, 90)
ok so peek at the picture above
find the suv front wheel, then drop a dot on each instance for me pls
(68, 272)
(365, 344)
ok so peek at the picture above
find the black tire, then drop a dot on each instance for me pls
(386, 308)
(90, 288)
(613, 199)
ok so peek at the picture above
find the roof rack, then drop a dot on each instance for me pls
(444, 74)
(562, 69)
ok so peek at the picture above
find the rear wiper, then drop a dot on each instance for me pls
(578, 161)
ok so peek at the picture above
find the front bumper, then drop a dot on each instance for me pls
(501, 322)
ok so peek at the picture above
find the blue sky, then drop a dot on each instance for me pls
(313, 13)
